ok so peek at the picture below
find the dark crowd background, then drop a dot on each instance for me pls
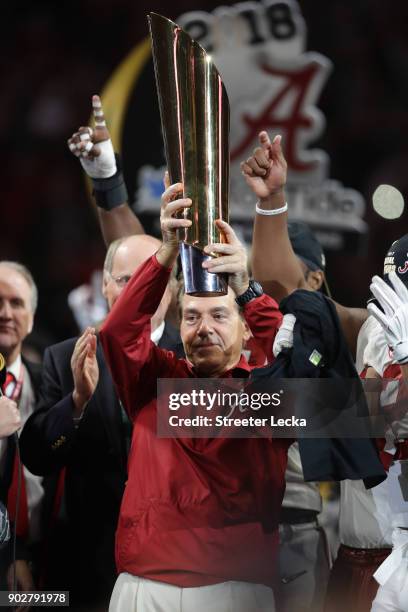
(55, 55)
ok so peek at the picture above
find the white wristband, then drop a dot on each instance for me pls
(273, 211)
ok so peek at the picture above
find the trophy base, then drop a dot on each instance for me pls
(197, 280)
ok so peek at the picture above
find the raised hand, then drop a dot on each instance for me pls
(173, 204)
(93, 146)
(394, 315)
(265, 171)
(85, 370)
(233, 259)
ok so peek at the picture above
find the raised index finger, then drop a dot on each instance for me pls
(98, 112)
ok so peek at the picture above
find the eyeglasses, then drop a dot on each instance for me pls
(121, 281)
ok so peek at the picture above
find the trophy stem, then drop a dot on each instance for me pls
(197, 280)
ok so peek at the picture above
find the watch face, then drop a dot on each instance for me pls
(256, 288)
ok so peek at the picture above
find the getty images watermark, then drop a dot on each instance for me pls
(227, 408)
(283, 408)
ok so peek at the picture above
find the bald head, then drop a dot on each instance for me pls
(124, 256)
(135, 248)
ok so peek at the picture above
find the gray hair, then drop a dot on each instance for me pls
(26, 274)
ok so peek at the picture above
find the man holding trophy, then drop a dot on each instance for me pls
(198, 527)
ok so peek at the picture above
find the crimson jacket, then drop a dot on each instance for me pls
(195, 511)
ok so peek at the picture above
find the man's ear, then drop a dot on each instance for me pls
(247, 332)
(315, 278)
(105, 279)
(30, 325)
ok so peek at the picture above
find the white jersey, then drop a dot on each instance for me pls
(368, 516)
(298, 493)
(372, 348)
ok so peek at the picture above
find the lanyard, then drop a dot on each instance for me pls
(15, 396)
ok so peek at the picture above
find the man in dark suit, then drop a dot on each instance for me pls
(18, 302)
(81, 430)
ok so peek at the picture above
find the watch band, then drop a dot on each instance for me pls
(254, 290)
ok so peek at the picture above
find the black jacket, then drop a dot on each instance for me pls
(317, 330)
(22, 550)
(34, 372)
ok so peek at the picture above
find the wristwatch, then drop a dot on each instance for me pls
(254, 290)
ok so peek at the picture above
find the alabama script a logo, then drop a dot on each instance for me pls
(274, 84)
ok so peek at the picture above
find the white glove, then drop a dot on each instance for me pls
(94, 147)
(394, 319)
(284, 337)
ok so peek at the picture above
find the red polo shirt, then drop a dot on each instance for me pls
(195, 511)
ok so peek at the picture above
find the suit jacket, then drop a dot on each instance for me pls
(34, 372)
(94, 456)
(22, 551)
